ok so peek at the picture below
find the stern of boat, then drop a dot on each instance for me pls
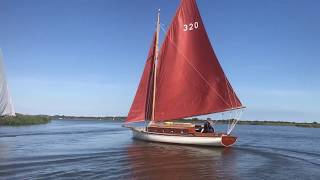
(228, 140)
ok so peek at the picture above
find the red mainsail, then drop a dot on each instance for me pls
(141, 108)
(190, 80)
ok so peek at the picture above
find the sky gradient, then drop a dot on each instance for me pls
(85, 57)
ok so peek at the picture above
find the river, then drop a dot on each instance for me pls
(92, 149)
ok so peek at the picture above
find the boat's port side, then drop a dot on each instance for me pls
(141, 134)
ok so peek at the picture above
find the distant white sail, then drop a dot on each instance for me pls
(6, 105)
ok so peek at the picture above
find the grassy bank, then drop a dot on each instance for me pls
(105, 118)
(264, 123)
(196, 120)
(281, 123)
(22, 120)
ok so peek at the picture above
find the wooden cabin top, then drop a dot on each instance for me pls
(172, 125)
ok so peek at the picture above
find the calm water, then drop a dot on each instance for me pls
(105, 150)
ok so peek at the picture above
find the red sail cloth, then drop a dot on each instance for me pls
(141, 108)
(190, 80)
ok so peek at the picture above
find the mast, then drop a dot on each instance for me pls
(155, 67)
(143, 105)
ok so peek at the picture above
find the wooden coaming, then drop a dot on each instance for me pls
(180, 129)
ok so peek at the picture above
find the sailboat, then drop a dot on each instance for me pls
(183, 79)
(6, 105)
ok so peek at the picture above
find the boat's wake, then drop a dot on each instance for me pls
(309, 157)
(94, 131)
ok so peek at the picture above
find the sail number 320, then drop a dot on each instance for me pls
(191, 26)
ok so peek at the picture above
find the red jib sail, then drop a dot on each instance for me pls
(190, 80)
(141, 108)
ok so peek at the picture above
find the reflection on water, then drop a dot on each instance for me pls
(154, 160)
(104, 150)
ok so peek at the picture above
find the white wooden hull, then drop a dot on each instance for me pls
(141, 134)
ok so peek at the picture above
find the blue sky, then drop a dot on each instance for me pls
(85, 57)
